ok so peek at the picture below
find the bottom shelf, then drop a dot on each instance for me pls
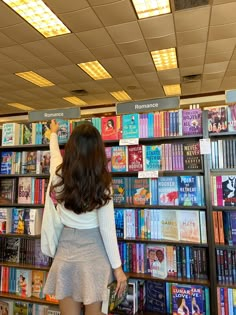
(31, 299)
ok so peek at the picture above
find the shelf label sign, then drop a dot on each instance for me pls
(230, 96)
(205, 146)
(133, 141)
(152, 105)
(148, 174)
(62, 113)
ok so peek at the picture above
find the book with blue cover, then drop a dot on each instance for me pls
(168, 191)
(152, 157)
(119, 220)
(64, 130)
(6, 162)
(155, 296)
(130, 125)
(190, 194)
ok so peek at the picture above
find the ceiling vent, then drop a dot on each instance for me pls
(191, 78)
(79, 92)
(187, 4)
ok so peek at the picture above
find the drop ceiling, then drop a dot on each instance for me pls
(110, 32)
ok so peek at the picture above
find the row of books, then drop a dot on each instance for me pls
(223, 153)
(23, 190)
(20, 221)
(223, 190)
(23, 251)
(153, 224)
(149, 125)
(162, 261)
(22, 282)
(226, 301)
(224, 227)
(25, 162)
(24, 308)
(168, 190)
(34, 133)
(222, 119)
(175, 156)
(226, 265)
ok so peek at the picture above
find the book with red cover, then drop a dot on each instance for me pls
(135, 158)
(109, 128)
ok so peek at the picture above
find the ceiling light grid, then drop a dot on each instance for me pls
(165, 59)
(34, 78)
(95, 70)
(74, 100)
(121, 96)
(20, 106)
(36, 13)
(173, 89)
(148, 8)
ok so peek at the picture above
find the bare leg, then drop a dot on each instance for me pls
(93, 309)
(69, 307)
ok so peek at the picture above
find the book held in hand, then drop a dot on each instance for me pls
(112, 298)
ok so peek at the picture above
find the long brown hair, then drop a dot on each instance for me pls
(85, 182)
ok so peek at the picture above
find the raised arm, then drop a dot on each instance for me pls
(56, 158)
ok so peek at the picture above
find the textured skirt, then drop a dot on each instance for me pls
(81, 268)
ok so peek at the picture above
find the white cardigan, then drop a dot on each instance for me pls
(102, 218)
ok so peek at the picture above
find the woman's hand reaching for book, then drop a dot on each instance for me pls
(121, 281)
(54, 126)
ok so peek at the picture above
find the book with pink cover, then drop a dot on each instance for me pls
(135, 158)
(25, 190)
(188, 225)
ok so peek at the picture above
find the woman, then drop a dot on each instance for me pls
(87, 250)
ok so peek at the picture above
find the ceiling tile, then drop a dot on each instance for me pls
(125, 32)
(4, 59)
(84, 55)
(67, 43)
(225, 56)
(192, 37)
(104, 98)
(191, 62)
(138, 46)
(232, 65)
(222, 31)
(8, 16)
(129, 81)
(234, 55)
(22, 33)
(164, 42)
(13, 67)
(191, 88)
(17, 53)
(148, 80)
(66, 6)
(6, 41)
(105, 52)
(115, 13)
(140, 63)
(53, 76)
(215, 67)
(221, 1)
(192, 19)
(168, 74)
(82, 20)
(210, 85)
(117, 67)
(91, 87)
(223, 13)
(153, 93)
(185, 71)
(214, 75)
(230, 73)
(157, 26)
(220, 46)
(110, 85)
(138, 94)
(95, 38)
(228, 83)
(193, 50)
(100, 2)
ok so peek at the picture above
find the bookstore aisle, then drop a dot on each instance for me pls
(175, 210)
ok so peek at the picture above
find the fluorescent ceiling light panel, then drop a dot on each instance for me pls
(147, 8)
(95, 70)
(165, 59)
(36, 13)
(121, 96)
(34, 78)
(20, 106)
(74, 100)
(173, 89)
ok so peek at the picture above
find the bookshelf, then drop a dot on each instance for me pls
(210, 248)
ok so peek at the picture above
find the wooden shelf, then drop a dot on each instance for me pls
(226, 285)
(19, 235)
(223, 171)
(161, 173)
(128, 206)
(21, 205)
(32, 299)
(225, 246)
(145, 276)
(25, 147)
(24, 266)
(224, 208)
(177, 243)
(221, 134)
(24, 175)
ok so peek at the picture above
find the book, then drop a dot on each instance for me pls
(113, 300)
(63, 131)
(155, 297)
(217, 119)
(231, 111)
(157, 261)
(152, 157)
(10, 134)
(192, 122)
(140, 191)
(190, 191)
(6, 307)
(135, 158)
(192, 156)
(119, 159)
(23, 282)
(22, 308)
(6, 162)
(46, 132)
(12, 249)
(181, 299)
(7, 190)
(167, 224)
(25, 190)
(38, 281)
(188, 226)
(168, 191)
(198, 299)
(130, 126)
(229, 190)
(109, 128)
